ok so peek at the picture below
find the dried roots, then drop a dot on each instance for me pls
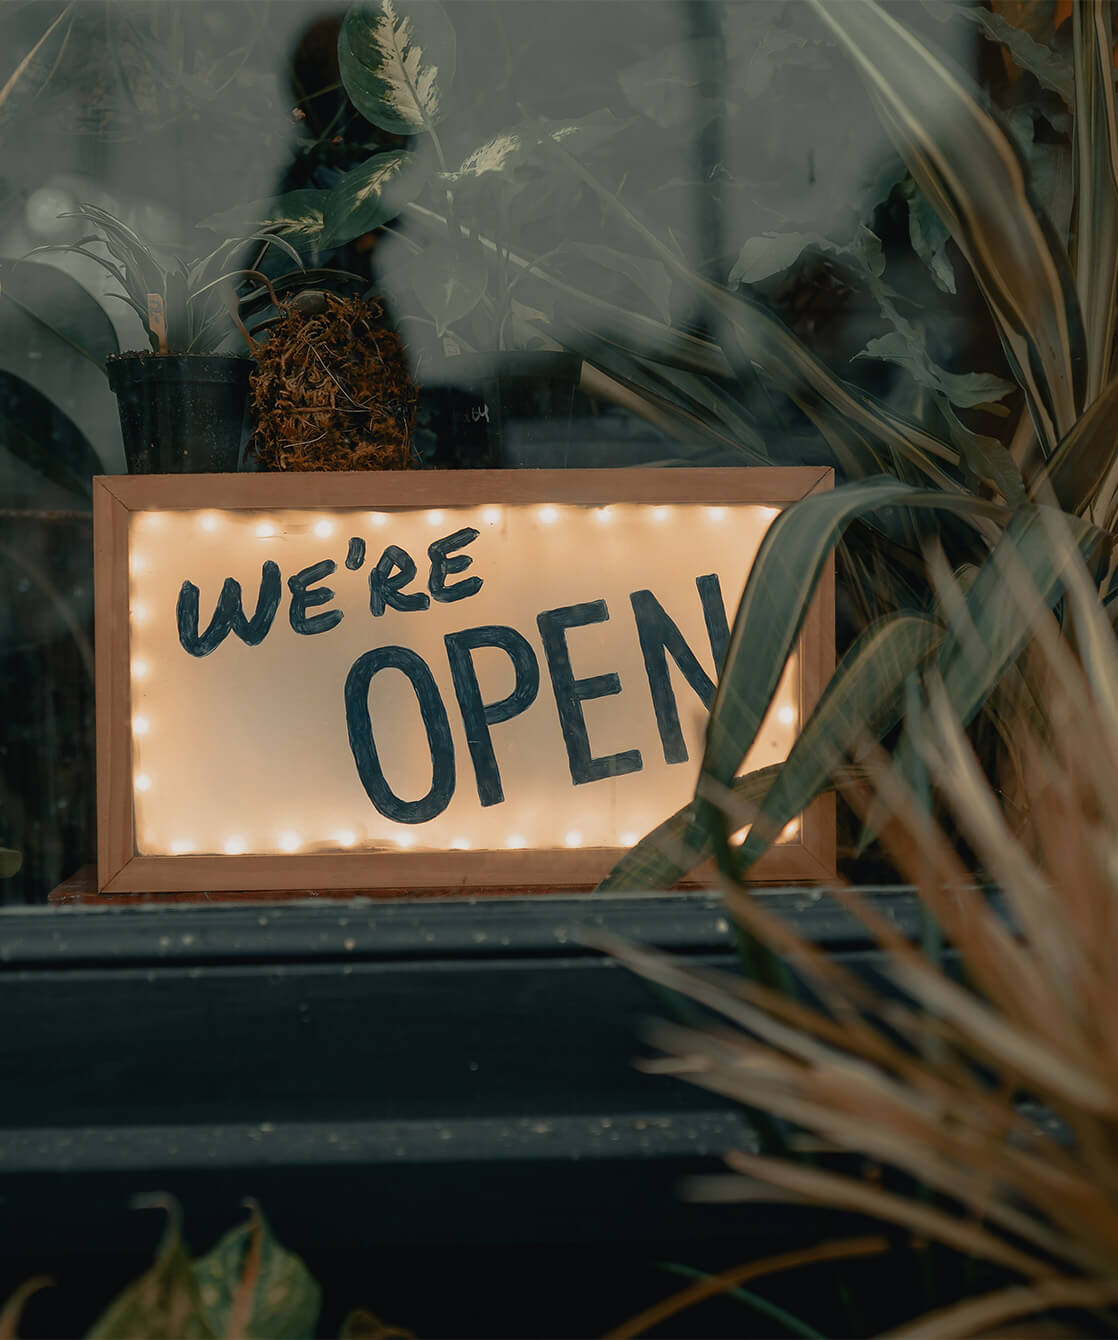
(331, 391)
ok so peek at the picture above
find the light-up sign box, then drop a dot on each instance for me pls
(477, 680)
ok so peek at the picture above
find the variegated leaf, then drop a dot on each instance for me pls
(253, 1287)
(396, 59)
(973, 176)
(371, 194)
(164, 1303)
(507, 153)
(297, 215)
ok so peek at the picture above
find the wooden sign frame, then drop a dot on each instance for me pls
(810, 857)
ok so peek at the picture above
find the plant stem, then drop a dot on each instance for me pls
(787, 1319)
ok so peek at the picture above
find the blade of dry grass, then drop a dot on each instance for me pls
(977, 1315)
(843, 1250)
(847, 1193)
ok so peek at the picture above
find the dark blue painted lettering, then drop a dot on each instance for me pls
(477, 715)
(714, 614)
(571, 693)
(386, 589)
(659, 635)
(435, 723)
(442, 565)
(303, 598)
(229, 614)
(355, 555)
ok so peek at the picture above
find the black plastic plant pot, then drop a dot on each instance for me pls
(180, 413)
(502, 409)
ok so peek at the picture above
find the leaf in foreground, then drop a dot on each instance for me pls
(164, 1303)
(255, 1289)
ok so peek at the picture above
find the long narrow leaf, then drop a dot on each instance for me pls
(776, 599)
(970, 666)
(679, 844)
(1027, 549)
(1097, 180)
(972, 174)
(865, 697)
(1096, 154)
(674, 391)
(1080, 465)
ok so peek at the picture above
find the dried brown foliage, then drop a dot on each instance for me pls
(332, 390)
(998, 1092)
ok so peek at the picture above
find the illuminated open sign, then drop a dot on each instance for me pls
(422, 680)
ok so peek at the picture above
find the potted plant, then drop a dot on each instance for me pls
(182, 401)
(466, 299)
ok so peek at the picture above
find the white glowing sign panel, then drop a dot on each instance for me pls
(363, 683)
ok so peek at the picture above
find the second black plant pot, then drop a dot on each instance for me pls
(500, 410)
(180, 413)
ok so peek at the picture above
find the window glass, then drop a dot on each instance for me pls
(557, 233)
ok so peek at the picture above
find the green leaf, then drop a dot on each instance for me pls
(1096, 149)
(965, 389)
(929, 236)
(996, 627)
(511, 153)
(984, 458)
(55, 336)
(679, 844)
(1082, 463)
(164, 1303)
(10, 862)
(255, 1289)
(848, 417)
(298, 214)
(1050, 68)
(142, 271)
(397, 62)
(647, 276)
(771, 49)
(449, 282)
(771, 253)
(863, 699)
(691, 408)
(1051, 170)
(972, 174)
(61, 305)
(370, 195)
(776, 598)
(669, 86)
(768, 254)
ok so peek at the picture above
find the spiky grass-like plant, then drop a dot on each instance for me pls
(994, 1088)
